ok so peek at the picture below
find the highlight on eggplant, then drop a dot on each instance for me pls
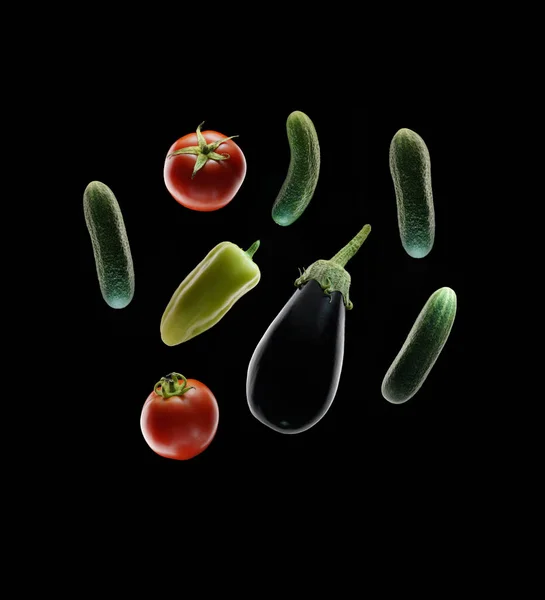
(295, 369)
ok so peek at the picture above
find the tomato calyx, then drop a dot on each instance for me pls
(331, 274)
(203, 151)
(170, 385)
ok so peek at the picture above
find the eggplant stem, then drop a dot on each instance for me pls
(346, 253)
(331, 274)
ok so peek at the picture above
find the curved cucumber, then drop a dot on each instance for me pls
(421, 348)
(298, 187)
(110, 244)
(411, 173)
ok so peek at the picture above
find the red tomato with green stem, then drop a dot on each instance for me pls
(180, 417)
(203, 171)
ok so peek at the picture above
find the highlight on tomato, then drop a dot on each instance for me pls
(179, 418)
(203, 171)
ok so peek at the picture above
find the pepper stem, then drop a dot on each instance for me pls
(346, 253)
(252, 249)
(331, 274)
(170, 385)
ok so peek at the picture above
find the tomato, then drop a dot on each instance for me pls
(202, 172)
(180, 417)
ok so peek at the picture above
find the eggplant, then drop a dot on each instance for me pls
(295, 369)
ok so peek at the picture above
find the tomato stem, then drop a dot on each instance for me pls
(204, 151)
(170, 385)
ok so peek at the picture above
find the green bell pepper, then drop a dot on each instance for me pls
(203, 298)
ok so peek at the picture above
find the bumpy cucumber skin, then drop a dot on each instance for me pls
(304, 168)
(410, 168)
(422, 347)
(111, 248)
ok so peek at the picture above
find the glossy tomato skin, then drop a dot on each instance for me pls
(180, 427)
(213, 186)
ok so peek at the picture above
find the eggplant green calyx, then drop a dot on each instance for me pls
(331, 274)
(170, 386)
(203, 151)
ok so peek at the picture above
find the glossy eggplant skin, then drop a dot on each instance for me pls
(295, 369)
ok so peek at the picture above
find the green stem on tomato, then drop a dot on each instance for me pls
(170, 385)
(204, 151)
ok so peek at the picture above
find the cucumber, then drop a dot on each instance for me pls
(304, 168)
(422, 347)
(410, 168)
(111, 248)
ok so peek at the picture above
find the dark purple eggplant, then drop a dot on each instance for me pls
(295, 369)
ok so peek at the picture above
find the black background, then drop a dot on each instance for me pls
(127, 133)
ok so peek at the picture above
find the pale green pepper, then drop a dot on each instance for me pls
(203, 298)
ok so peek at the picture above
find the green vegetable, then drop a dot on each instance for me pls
(411, 173)
(422, 347)
(298, 187)
(203, 298)
(111, 248)
(331, 274)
